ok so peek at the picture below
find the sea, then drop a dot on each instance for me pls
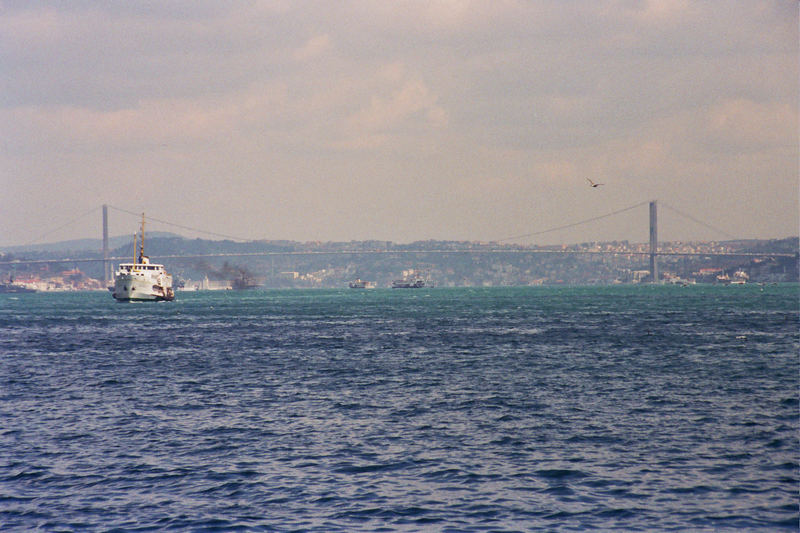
(616, 408)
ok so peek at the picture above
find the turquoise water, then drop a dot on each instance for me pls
(497, 409)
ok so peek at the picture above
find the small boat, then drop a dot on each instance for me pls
(408, 283)
(740, 277)
(361, 284)
(14, 288)
(244, 282)
(142, 280)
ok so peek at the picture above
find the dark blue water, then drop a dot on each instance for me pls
(565, 409)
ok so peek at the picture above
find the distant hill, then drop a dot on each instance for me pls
(89, 245)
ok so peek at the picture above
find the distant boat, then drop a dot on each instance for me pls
(361, 284)
(244, 282)
(14, 288)
(142, 280)
(408, 283)
(740, 277)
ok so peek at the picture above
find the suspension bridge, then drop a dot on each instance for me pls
(653, 250)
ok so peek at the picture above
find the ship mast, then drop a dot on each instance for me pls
(141, 244)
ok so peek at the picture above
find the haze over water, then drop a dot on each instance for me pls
(497, 409)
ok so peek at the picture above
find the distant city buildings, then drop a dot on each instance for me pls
(68, 280)
(443, 264)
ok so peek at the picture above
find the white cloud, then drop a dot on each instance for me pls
(313, 48)
(386, 113)
(743, 125)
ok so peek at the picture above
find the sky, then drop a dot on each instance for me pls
(401, 120)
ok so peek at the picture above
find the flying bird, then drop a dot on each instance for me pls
(593, 184)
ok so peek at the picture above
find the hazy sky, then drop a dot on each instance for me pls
(400, 120)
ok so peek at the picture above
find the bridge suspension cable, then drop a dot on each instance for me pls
(693, 219)
(62, 226)
(197, 230)
(572, 225)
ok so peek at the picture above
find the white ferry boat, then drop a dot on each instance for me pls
(142, 280)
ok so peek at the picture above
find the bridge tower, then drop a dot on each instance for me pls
(653, 242)
(105, 245)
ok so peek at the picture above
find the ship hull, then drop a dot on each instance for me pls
(132, 288)
(12, 288)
